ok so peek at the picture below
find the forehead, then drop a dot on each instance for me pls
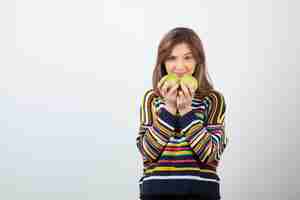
(180, 48)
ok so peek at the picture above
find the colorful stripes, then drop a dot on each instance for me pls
(209, 141)
(178, 169)
(155, 128)
(202, 136)
(178, 158)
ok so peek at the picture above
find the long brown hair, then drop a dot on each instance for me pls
(172, 38)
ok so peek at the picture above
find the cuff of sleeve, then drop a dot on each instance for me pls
(167, 119)
(186, 119)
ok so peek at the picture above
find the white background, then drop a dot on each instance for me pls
(72, 74)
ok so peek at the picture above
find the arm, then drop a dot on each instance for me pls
(205, 130)
(155, 129)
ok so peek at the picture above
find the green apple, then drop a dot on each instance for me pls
(170, 80)
(190, 81)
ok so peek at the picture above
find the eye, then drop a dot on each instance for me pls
(188, 57)
(170, 58)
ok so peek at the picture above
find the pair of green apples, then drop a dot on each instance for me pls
(172, 79)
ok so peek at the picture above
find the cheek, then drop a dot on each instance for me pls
(189, 69)
(171, 68)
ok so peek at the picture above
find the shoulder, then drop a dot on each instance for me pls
(213, 96)
(217, 97)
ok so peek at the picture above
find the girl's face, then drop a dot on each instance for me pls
(181, 60)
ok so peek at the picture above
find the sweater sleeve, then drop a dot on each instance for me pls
(207, 138)
(156, 126)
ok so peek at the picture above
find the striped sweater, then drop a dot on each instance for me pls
(181, 153)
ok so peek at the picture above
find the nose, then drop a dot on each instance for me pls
(180, 64)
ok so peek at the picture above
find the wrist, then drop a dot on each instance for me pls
(171, 109)
(185, 111)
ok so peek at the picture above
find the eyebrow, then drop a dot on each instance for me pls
(184, 54)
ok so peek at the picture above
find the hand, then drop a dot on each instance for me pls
(184, 99)
(169, 94)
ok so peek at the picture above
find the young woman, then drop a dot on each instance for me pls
(182, 131)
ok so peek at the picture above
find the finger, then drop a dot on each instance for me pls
(185, 90)
(180, 95)
(164, 88)
(160, 89)
(173, 89)
(159, 86)
(161, 92)
(183, 97)
(180, 99)
(169, 86)
(190, 91)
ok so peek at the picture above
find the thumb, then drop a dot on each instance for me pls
(174, 88)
